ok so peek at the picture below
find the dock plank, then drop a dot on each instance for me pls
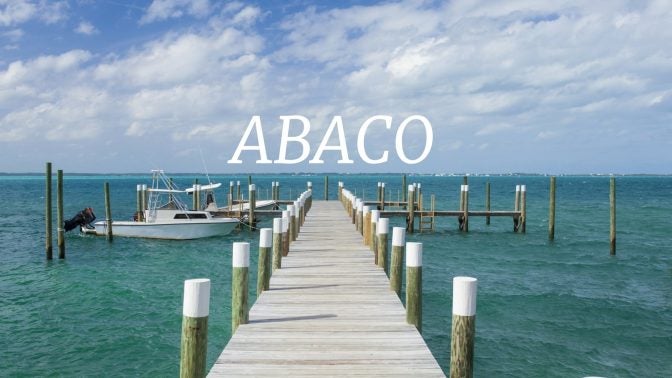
(329, 312)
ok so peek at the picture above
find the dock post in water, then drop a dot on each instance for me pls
(414, 284)
(230, 196)
(326, 188)
(612, 216)
(464, 226)
(59, 215)
(551, 210)
(523, 208)
(383, 226)
(252, 205)
(463, 327)
(138, 207)
(264, 264)
(285, 233)
(487, 202)
(366, 227)
(238, 190)
(48, 245)
(239, 287)
(516, 207)
(382, 196)
(411, 209)
(360, 217)
(108, 213)
(292, 222)
(277, 243)
(404, 187)
(375, 215)
(398, 244)
(195, 312)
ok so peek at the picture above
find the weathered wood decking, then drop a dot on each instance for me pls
(329, 312)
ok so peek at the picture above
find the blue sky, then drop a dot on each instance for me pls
(508, 86)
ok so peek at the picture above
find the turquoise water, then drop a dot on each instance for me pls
(561, 309)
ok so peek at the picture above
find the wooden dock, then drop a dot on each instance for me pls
(329, 312)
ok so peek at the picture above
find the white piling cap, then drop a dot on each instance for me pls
(340, 183)
(398, 236)
(523, 188)
(253, 187)
(310, 183)
(466, 188)
(419, 185)
(464, 296)
(517, 188)
(411, 188)
(277, 225)
(144, 186)
(266, 237)
(382, 226)
(413, 254)
(375, 214)
(360, 206)
(285, 224)
(382, 184)
(138, 188)
(237, 182)
(292, 210)
(241, 255)
(462, 188)
(366, 209)
(196, 302)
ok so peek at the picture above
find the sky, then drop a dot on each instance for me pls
(124, 86)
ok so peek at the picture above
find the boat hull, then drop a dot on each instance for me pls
(168, 230)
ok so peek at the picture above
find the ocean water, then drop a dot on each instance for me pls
(545, 309)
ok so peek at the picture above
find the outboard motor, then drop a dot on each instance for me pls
(83, 218)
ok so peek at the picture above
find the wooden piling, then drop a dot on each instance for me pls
(326, 188)
(138, 206)
(463, 327)
(277, 243)
(360, 217)
(487, 202)
(252, 206)
(404, 188)
(414, 284)
(264, 263)
(523, 208)
(465, 214)
(516, 207)
(551, 210)
(230, 204)
(382, 196)
(366, 227)
(375, 215)
(239, 286)
(238, 190)
(170, 186)
(381, 234)
(411, 209)
(59, 215)
(292, 222)
(612, 216)
(398, 243)
(195, 312)
(285, 233)
(108, 213)
(48, 247)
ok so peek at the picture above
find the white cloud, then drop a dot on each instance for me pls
(15, 12)
(519, 72)
(161, 10)
(86, 28)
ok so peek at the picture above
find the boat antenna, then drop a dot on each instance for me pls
(204, 166)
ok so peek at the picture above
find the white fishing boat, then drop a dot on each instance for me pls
(167, 217)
